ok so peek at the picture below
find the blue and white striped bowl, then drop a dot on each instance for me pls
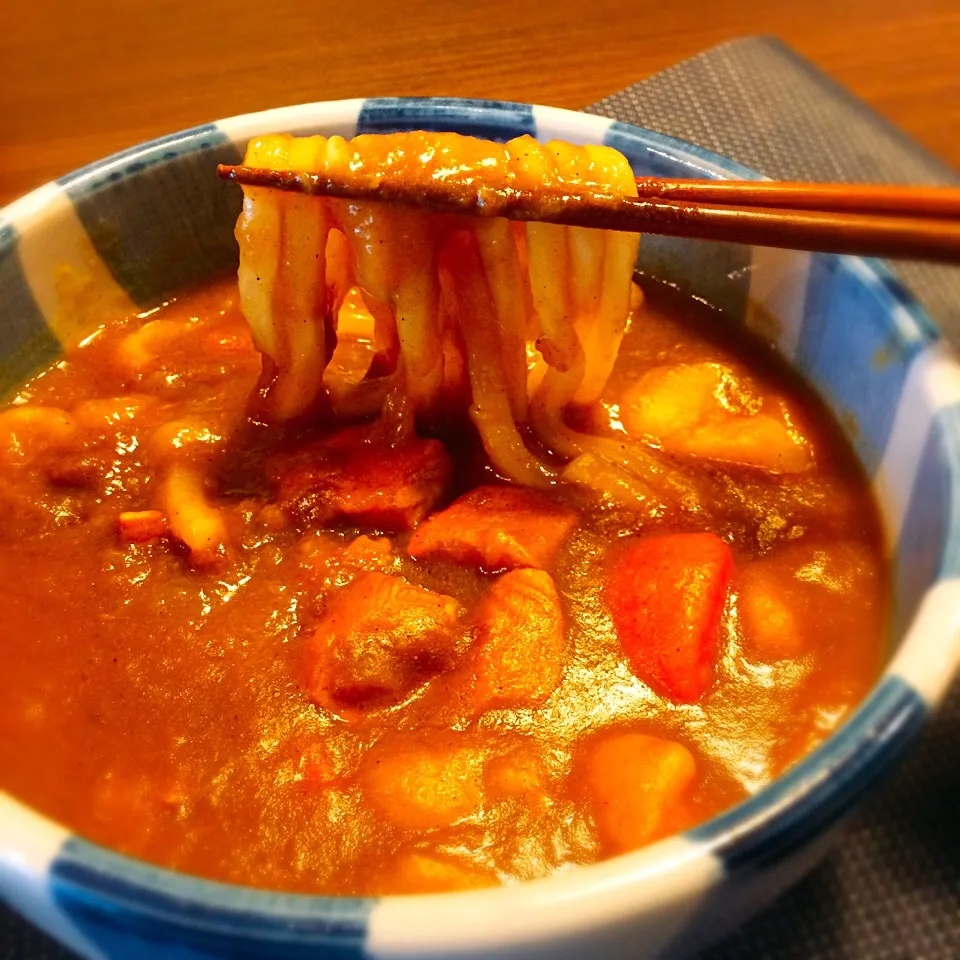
(137, 226)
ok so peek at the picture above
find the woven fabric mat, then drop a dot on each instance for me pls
(891, 888)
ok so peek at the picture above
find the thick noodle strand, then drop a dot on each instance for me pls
(490, 409)
(514, 321)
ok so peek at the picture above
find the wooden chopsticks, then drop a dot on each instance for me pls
(917, 223)
(937, 202)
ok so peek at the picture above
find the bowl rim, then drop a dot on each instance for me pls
(769, 825)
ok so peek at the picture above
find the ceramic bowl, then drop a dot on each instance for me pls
(131, 229)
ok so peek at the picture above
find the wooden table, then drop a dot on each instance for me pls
(81, 80)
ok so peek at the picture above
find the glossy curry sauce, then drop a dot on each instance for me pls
(173, 711)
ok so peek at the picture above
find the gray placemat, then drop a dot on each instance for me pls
(758, 102)
(891, 889)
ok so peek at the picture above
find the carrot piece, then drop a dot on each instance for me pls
(141, 526)
(666, 596)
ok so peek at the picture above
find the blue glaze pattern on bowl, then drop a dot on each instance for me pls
(486, 119)
(154, 218)
(28, 342)
(135, 205)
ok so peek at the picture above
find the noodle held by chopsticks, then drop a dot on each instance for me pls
(459, 304)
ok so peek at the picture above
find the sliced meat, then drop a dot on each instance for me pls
(424, 783)
(636, 785)
(666, 596)
(521, 641)
(346, 478)
(379, 639)
(497, 528)
(75, 470)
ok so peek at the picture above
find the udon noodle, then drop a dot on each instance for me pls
(523, 319)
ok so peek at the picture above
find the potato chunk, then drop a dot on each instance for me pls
(704, 410)
(417, 872)
(141, 348)
(771, 628)
(109, 415)
(424, 783)
(635, 784)
(27, 431)
(519, 773)
(798, 594)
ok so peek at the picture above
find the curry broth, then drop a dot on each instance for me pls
(160, 709)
